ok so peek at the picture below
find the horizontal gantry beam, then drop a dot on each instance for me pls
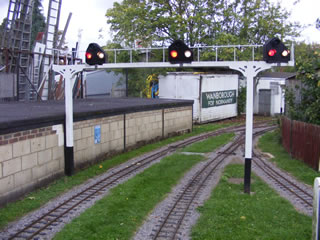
(204, 64)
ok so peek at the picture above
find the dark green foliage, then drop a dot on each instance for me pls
(308, 66)
(38, 21)
(197, 22)
(136, 77)
(242, 97)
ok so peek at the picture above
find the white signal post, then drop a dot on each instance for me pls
(68, 72)
(249, 69)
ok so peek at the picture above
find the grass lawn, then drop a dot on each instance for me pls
(209, 144)
(36, 199)
(264, 215)
(270, 142)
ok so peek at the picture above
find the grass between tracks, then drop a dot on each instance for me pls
(119, 214)
(271, 143)
(36, 199)
(209, 144)
(263, 215)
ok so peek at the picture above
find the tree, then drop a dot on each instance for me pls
(136, 77)
(199, 22)
(307, 66)
(2, 26)
(38, 21)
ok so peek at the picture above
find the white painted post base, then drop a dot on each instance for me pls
(316, 210)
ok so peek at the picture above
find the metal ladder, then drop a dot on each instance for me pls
(17, 34)
(51, 38)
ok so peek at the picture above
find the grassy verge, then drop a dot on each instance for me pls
(270, 143)
(36, 199)
(209, 144)
(230, 214)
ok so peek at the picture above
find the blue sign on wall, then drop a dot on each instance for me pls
(97, 134)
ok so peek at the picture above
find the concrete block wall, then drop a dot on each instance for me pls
(143, 126)
(177, 120)
(86, 149)
(126, 130)
(31, 158)
(28, 159)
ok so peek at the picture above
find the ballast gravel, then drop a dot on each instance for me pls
(153, 221)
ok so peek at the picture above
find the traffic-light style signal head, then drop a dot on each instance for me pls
(179, 52)
(274, 51)
(95, 55)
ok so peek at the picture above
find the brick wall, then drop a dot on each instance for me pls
(29, 158)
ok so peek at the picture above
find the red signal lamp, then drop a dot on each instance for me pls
(88, 55)
(272, 52)
(179, 52)
(95, 55)
(174, 54)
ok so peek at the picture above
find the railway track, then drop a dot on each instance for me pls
(170, 224)
(39, 227)
(283, 182)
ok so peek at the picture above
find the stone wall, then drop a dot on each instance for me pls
(29, 158)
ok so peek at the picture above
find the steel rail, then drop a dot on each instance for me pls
(140, 164)
(92, 190)
(237, 142)
(275, 175)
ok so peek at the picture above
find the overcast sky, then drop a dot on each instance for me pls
(89, 17)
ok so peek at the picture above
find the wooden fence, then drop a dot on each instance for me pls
(302, 141)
